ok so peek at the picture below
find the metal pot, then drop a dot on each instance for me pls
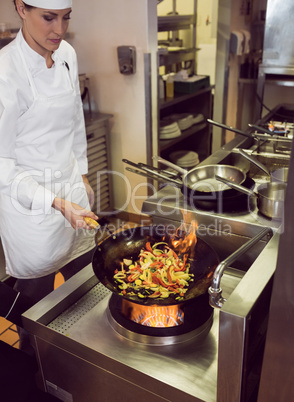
(280, 174)
(270, 197)
(128, 243)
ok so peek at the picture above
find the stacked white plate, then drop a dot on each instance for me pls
(185, 159)
(184, 120)
(168, 130)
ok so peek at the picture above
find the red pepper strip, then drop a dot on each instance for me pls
(175, 290)
(131, 278)
(136, 268)
(148, 247)
(174, 254)
(155, 279)
(166, 285)
(116, 271)
(180, 269)
(169, 275)
(155, 294)
(172, 288)
(158, 264)
(124, 291)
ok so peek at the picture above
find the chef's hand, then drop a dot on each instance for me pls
(74, 213)
(89, 190)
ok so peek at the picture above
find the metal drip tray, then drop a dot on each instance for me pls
(67, 319)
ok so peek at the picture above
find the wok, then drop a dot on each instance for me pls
(270, 197)
(280, 174)
(128, 243)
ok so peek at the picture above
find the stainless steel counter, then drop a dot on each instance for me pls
(80, 343)
(82, 356)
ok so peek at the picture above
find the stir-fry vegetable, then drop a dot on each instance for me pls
(158, 273)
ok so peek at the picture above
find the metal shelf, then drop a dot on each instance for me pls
(175, 22)
(165, 144)
(179, 98)
(179, 56)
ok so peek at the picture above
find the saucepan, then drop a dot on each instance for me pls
(270, 197)
(280, 174)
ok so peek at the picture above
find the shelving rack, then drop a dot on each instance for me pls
(197, 137)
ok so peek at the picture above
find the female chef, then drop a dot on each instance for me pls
(44, 193)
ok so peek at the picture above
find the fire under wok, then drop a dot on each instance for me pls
(127, 244)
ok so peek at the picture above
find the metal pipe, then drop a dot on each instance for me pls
(215, 292)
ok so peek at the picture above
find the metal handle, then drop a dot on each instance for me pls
(263, 130)
(254, 161)
(141, 165)
(235, 130)
(215, 292)
(236, 186)
(162, 176)
(149, 175)
(170, 164)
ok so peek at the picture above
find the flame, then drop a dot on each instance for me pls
(185, 239)
(153, 316)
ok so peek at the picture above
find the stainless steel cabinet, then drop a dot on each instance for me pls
(99, 169)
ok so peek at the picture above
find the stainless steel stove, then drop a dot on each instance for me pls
(85, 354)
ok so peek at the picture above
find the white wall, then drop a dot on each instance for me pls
(98, 27)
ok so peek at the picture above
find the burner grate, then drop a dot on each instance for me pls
(74, 313)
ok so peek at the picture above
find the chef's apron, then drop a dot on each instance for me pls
(39, 245)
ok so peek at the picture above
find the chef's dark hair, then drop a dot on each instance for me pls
(26, 5)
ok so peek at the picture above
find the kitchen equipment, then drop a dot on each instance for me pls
(219, 202)
(266, 136)
(280, 174)
(128, 243)
(81, 354)
(270, 197)
(215, 291)
(234, 130)
(201, 180)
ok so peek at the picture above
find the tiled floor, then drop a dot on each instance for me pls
(8, 332)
